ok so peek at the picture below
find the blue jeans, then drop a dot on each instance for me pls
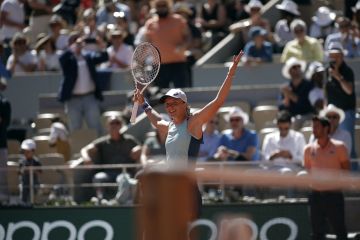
(87, 107)
(349, 125)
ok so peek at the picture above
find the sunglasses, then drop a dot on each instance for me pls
(235, 119)
(332, 116)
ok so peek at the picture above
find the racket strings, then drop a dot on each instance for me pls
(145, 64)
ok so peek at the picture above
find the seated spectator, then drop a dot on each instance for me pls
(57, 33)
(289, 11)
(346, 36)
(28, 148)
(322, 23)
(114, 148)
(302, 47)
(257, 50)
(284, 148)
(211, 139)
(238, 143)
(335, 116)
(120, 53)
(48, 59)
(236, 11)
(123, 24)
(294, 95)
(356, 19)
(315, 73)
(212, 20)
(21, 60)
(59, 138)
(105, 13)
(254, 9)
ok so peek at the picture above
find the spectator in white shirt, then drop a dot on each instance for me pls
(284, 147)
(120, 53)
(335, 116)
(46, 52)
(323, 23)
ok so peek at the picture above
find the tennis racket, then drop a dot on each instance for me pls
(145, 66)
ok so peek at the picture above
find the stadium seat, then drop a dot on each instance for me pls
(13, 146)
(42, 145)
(14, 157)
(357, 139)
(307, 131)
(43, 120)
(263, 114)
(13, 178)
(262, 133)
(80, 138)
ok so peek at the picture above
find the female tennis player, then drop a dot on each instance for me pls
(184, 131)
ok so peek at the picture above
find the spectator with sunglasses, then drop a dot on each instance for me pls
(238, 143)
(211, 139)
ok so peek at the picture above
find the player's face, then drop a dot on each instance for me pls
(175, 107)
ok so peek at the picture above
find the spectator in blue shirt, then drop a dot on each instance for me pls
(257, 50)
(211, 138)
(238, 143)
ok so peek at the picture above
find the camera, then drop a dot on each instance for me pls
(332, 63)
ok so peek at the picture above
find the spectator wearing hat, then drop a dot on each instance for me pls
(58, 34)
(90, 32)
(257, 50)
(59, 137)
(335, 116)
(294, 95)
(120, 53)
(238, 143)
(114, 148)
(349, 40)
(172, 44)
(326, 203)
(212, 20)
(282, 33)
(302, 47)
(80, 89)
(21, 60)
(315, 73)
(5, 116)
(105, 13)
(123, 24)
(48, 59)
(322, 23)
(340, 89)
(28, 147)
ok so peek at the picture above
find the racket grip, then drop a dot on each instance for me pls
(134, 112)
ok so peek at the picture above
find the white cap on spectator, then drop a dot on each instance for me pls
(291, 62)
(174, 93)
(253, 4)
(237, 112)
(357, 7)
(335, 47)
(28, 144)
(289, 6)
(313, 68)
(333, 109)
(324, 16)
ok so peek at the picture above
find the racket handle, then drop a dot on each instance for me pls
(134, 112)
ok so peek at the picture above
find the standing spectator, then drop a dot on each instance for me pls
(5, 116)
(40, 15)
(170, 34)
(335, 116)
(114, 148)
(48, 59)
(326, 203)
(80, 89)
(211, 139)
(120, 53)
(123, 24)
(284, 148)
(68, 10)
(295, 95)
(212, 20)
(12, 18)
(21, 60)
(236, 11)
(323, 23)
(349, 40)
(302, 47)
(238, 143)
(257, 50)
(28, 148)
(289, 11)
(315, 73)
(340, 89)
(356, 18)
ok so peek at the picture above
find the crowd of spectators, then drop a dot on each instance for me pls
(77, 37)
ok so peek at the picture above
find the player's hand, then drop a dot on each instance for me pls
(138, 97)
(235, 62)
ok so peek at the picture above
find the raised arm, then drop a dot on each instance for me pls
(207, 112)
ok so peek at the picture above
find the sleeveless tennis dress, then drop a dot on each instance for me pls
(180, 146)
